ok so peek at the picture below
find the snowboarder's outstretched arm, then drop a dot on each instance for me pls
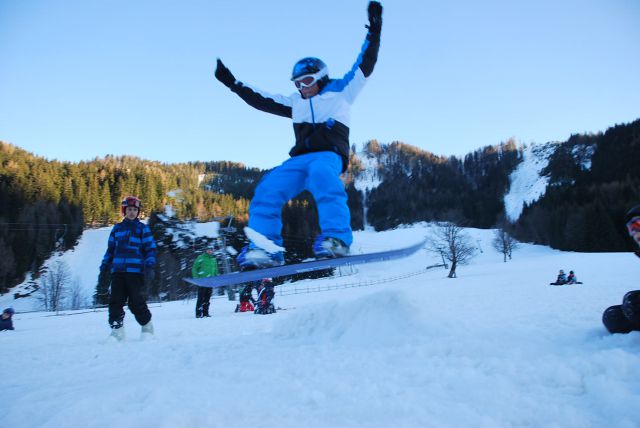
(355, 79)
(370, 54)
(275, 104)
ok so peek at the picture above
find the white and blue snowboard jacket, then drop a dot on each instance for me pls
(320, 123)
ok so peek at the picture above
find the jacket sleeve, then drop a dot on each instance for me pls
(148, 247)
(263, 101)
(107, 259)
(370, 53)
(353, 82)
(195, 269)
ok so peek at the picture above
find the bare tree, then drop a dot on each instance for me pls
(504, 243)
(75, 296)
(454, 245)
(53, 285)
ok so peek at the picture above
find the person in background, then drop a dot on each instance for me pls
(625, 318)
(266, 293)
(572, 279)
(131, 258)
(204, 266)
(6, 321)
(246, 299)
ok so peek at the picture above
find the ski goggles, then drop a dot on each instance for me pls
(633, 226)
(308, 80)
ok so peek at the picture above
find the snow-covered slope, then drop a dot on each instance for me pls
(526, 183)
(397, 346)
(368, 179)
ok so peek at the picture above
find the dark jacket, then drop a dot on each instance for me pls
(131, 248)
(320, 123)
(6, 324)
(245, 294)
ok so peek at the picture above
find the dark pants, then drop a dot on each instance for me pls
(202, 305)
(128, 287)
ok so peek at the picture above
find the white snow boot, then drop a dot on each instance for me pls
(146, 331)
(117, 334)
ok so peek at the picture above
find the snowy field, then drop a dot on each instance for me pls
(496, 347)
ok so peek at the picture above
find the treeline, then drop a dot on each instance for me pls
(45, 205)
(420, 186)
(594, 181)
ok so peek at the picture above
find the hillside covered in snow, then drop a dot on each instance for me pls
(391, 344)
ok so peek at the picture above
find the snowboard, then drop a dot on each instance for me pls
(564, 283)
(304, 267)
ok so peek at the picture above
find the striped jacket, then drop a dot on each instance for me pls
(131, 248)
(320, 123)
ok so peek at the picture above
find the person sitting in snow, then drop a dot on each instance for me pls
(561, 279)
(246, 299)
(572, 279)
(320, 109)
(266, 294)
(131, 258)
(6, 321)
(625, 318)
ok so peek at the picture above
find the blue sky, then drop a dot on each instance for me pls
(81, 79)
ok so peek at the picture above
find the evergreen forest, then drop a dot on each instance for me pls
(593, 180)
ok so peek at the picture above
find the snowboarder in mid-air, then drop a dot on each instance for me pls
(625, 318)
(320, 110)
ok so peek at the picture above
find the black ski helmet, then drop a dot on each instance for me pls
(310, 65)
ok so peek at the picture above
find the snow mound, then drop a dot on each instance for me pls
(383, 318)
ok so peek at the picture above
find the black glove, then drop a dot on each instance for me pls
(104, 277)
(149, 274)
(224, 75)
(375, 17)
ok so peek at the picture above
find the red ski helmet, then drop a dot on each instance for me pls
(130, 201)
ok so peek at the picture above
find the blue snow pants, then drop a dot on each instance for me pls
(317, 172)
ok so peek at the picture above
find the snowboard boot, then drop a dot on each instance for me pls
(326, 247)
(615, 320)
(254, 257)
(117, 331)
